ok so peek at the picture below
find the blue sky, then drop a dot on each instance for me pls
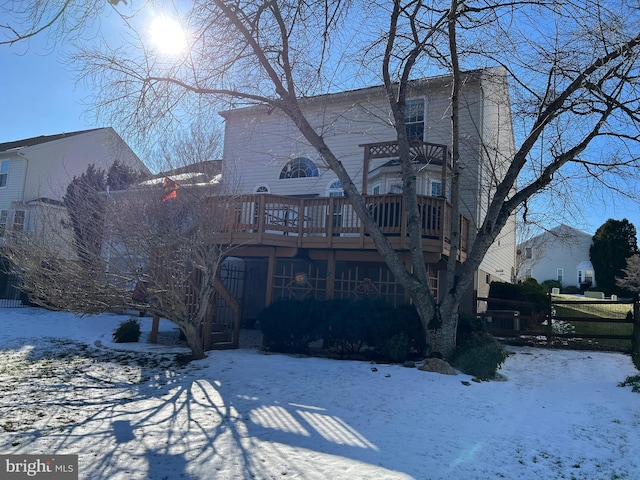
(39, 96)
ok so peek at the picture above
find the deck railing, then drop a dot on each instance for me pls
(266, 218)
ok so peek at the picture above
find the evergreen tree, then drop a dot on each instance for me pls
(613, 243)
(121, 176)
(85, 205)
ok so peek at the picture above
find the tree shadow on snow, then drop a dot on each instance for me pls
(145, 416)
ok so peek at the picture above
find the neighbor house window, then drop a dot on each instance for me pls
(414, 119)
(588, 276)
(299, 167)
(4, 172)
(560, 275)
(527, 273)
(18, 220)
(4, 216)
(528, 253)
(262, 188)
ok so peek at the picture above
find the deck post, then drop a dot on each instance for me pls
(271, 268)
(155, 326)
(331, 274)
(549, 320)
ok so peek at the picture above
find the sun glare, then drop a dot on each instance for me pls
(168, 36)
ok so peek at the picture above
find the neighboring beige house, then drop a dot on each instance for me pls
(299, 237)
(561, 253)
(35, 173)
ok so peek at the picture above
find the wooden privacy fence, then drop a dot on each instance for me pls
(565, 320)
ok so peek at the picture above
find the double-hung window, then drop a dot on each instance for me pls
(4, 173)
(414, 119)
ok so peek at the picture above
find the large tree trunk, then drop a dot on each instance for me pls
(443, 338)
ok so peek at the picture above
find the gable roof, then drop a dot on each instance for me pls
(561, 231)
(30, 142)
(374, 90)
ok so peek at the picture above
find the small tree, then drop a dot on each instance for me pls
(630, 279)
(613, 243)
(85, 206)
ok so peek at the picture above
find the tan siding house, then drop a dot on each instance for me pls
(295, 221)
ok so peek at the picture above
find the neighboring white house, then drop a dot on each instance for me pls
(561, 253)
(35, 173)
(265, 153)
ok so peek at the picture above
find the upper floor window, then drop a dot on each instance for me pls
(4, 172)
(414, 119)
(262, 188)
(528, 253)
(299, 167)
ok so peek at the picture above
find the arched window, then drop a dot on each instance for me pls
(298, 168)
(262, 188)
(334, 189)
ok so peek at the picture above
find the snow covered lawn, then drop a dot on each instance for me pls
(133, 411)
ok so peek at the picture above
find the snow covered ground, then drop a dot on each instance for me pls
(131, 411)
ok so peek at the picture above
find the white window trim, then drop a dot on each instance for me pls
(261, 186)
(433, 182)
(332, 189)
(424, 114)
(8, 164)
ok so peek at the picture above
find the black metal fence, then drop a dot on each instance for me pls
(10, 293)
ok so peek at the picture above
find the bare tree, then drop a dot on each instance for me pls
(162, 247)
(573, 70)
(154, 248)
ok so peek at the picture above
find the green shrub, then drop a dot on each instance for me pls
(289, 326)
(397, 348)
(571, 290)
(128, 331)
(551, 284)
(477, 352)
(358, 325)
(395, 328)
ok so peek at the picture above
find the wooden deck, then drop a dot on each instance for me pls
(332, 223)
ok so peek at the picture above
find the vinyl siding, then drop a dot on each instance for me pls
(499, 149)
(562, 247)
(259, 142)
(15, 182)
(53, 165)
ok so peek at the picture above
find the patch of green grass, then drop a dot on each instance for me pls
(632, 381)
